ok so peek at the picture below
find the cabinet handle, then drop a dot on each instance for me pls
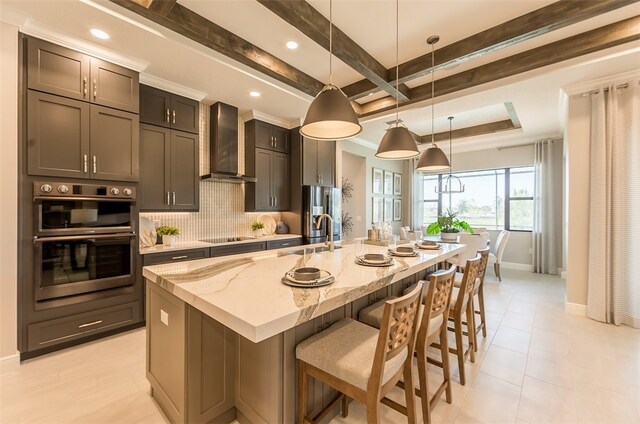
(275, 141)
(174, 116)
(174, 197)
(84, 88)
(275, 201)
(95, 164)
(89, 324)
(285, 244)
(167, 116)
(95, 89)
(168, 202)
(179, 257)
(85, 163)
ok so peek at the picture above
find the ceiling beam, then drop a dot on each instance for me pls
(163, 7)
(482, 129)
(544, 20)
(588, 42)
(302, 16)
(201, 30)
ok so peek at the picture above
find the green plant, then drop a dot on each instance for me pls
(448, 223)
(167, 230)
(256, 225)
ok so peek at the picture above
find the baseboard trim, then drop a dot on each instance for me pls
(517, 266)
(9, 363)
(575, 308)
(563, 274)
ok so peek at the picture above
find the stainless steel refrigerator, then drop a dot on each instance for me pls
(316, 201)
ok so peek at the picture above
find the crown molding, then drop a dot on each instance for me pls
(172, 87)
(36, 29)
(265, 117)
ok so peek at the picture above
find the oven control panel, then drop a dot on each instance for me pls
(58, 189)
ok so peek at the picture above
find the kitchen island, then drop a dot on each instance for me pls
(221, 332)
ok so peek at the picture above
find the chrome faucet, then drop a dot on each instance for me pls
(319, 221)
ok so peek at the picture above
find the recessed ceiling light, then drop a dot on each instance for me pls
(254, 94)
(292, 45)
(98, 33)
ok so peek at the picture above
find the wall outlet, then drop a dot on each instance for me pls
(164, 317)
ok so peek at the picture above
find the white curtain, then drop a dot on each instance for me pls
(614, 245)
(416, 199)
(545, 229)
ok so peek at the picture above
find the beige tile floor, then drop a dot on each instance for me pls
(537, 365)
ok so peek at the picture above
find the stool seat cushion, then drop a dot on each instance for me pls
(346, 351)
(372, 315)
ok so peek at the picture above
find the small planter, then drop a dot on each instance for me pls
(449, 236)
(169, 241)
(258, 233)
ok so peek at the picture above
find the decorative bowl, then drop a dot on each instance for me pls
(306, 274)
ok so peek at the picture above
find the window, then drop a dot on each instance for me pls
(494, 199)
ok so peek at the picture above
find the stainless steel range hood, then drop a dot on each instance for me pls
(223, 146)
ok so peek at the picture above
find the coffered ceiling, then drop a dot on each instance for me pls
(287, 79)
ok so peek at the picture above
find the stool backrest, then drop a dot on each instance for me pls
(436, 301)
(484, 259)
(468, 282)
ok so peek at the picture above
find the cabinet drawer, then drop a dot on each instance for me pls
(44, 334)
(177, 256)
(234, 249)
(278, 244)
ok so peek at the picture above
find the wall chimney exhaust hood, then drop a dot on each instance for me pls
(223, 146)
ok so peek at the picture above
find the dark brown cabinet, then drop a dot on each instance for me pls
(158, 107)
(65, 72)
(318, 162)
(271, 191)
(267, 136)
(71, 138)
(168, 170)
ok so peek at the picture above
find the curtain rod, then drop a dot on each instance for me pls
(550, 140)
(606, 90)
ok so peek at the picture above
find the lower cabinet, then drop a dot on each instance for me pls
(190, 360)
(176, 256)
(169, 176)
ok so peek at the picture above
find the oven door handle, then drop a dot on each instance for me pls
(88, 198)
(83, 237)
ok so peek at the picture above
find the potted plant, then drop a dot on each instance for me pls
(448, 225)
(168, 234)
(257, 227)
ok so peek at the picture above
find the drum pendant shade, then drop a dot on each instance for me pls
(397, 143)
(432, 159)
(330, 117)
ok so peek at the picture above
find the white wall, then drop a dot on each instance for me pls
(577, 152)
(372, 162)
(354, 168)
(9, 189)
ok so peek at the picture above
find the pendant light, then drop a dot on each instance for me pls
(446, 184)
(397, 142)
(330, 116)
(432, 159)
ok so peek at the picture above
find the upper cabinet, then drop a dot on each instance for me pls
(71, 138)
(64, 72)
(158, 107)
(267, 136)
(318, 162)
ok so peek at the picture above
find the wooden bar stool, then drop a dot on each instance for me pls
(462, 305)
(478, 291)
(434, 313)
(362, 362)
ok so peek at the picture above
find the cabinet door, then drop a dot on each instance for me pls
(57, 136)
(309, 162)
(115, 146)
(280, 139)
(326, 163)
(183, 171)
(263, 135)
(155, 106)
(280, 181)
(153, 192)
(185, 114)
(263, 193)
(57, 70)
(114, 86)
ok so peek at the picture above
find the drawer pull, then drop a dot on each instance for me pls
(180, 257)
(89, 324)
(285, 244)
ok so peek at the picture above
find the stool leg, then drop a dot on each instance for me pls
(457, 325)
(409, 390)
(302, 392)
(471, 330)
(345, 405)
(373, 410)
(424, 386)
(481, 306)
(496, 268)
(444, 351)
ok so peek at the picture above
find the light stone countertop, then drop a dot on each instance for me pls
(245, 293)
(186, 245)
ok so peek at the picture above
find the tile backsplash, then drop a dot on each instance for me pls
(221, 204)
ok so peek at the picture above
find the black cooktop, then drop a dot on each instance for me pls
(226, 239)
